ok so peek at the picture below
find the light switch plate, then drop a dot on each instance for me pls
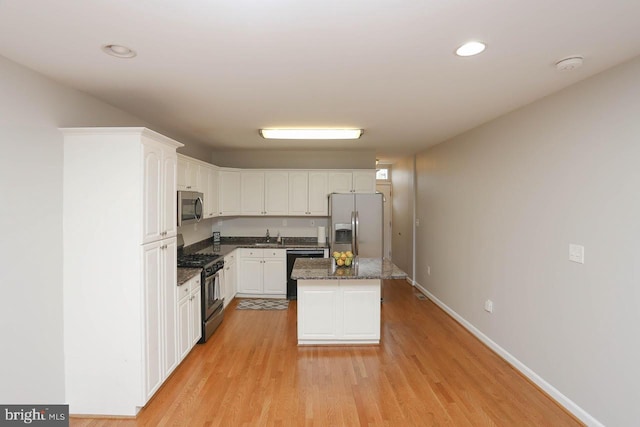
(576, 253)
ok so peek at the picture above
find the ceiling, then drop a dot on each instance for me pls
(215, 72)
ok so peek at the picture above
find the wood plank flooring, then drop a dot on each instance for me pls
(427, 371)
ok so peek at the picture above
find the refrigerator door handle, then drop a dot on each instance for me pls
(353, 233)
(357, 233)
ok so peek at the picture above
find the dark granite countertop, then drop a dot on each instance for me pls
(362, 268)
(185, 274)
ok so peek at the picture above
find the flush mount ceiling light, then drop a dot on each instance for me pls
(311, 133)
(470, 49)
(118, 51)
(568, 64)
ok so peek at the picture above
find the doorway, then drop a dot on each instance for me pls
(385, 189)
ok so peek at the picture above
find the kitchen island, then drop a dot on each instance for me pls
(341, 305)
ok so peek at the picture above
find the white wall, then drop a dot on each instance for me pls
(498, 207)
(296, 159)
(32, 108)
(257, 226)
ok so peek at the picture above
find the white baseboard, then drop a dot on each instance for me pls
(410, 281)
(563, 400)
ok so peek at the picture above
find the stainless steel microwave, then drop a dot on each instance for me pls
(189, 207)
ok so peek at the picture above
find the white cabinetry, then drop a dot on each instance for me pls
(229, 192)
(264, 193)
(361, 181)
(262, 272)
(159, 281)
(308, 193)
(339, 311)
(189, 316)
(230, 278)
(209, 180)
(121, 257)
(188, 178)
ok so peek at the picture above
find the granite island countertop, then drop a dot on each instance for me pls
(362, 268)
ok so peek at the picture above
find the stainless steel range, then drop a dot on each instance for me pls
(212, 298)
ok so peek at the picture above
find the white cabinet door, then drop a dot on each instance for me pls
(183, 166)
(318, 193)
(169, 200)
(152, 281)
(250, 275)
(340, 182)
(229, 190)
(276, 193)
(196, 317)
(317, 312)
(184, 323)
(252, 193)
(230, 278)
(275, 275)
(152, 193)
(360, 311)
(169, 305)
(298, 193)
(364, 181)
(188, 178)
(211, 198)
(159, 192)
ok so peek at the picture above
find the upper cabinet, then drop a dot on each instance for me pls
(159, 184)
(360, 181)
(308, 193)
(208, 178)
(264, 193)
(229, 192)
(255, 192)
(189, 175)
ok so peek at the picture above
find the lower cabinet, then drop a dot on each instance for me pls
(262, 273)
(230, 278)
(189, 316)
(339, 311)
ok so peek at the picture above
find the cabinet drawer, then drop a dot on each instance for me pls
(275, 253)
(195, 284)
(252, 253)
(183, 290)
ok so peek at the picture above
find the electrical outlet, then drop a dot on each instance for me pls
(576, 253)
(417, 223)
(313, 222)
(428, 270)
(488, 306)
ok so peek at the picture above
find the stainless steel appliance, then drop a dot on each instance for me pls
(212, 301)
(189, 207)
(356, 223)
(292, 255)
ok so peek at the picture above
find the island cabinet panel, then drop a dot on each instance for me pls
(338, 311)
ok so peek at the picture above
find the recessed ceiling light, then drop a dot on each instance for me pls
(118, 51)
(311, 133)
(470, 49)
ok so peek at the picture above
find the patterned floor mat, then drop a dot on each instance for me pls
(263, 304)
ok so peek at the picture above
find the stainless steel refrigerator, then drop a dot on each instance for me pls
(356, 223)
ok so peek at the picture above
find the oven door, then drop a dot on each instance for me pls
(213, 298)
(189, 207)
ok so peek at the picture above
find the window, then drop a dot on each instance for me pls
(383, 172)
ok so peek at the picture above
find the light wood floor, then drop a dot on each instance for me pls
(428, 371)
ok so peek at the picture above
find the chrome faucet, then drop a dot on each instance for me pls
(268, 238)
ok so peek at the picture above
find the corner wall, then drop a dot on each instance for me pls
(498, 207)
(32, 108)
